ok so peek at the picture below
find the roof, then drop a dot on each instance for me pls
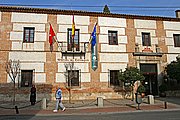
(82, 13)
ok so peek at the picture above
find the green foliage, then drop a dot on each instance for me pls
(173, 69)
(106, 9)
(141, 89)
(131, 74)
(163, 88)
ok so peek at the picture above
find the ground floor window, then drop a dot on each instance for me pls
(114, 78)
(26, 78)
(73, 77)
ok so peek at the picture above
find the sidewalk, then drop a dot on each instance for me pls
(90, 107)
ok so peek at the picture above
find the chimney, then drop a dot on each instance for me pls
(177, 13)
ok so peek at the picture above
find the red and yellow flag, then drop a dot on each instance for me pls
(73, 27)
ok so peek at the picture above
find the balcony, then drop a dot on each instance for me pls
(76, 50)
(147, 51)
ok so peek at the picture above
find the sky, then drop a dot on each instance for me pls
(165, 8)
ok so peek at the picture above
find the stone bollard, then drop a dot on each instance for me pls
(100, 102)
(44, 104)
(150, 99)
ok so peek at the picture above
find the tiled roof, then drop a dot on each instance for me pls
(82, 13)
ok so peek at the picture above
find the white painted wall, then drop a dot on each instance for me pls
(67, 19)
(40, 78)
(171, 28)
(110, 66)
(150, 24)
(105, 57)
(20, 26)
(28, 56)
(113, 48)
(169, 25)
(29, 17)
(105, 21)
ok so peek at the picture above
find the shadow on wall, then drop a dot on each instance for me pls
(22, 98)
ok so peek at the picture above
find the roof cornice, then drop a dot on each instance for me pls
(82, 13)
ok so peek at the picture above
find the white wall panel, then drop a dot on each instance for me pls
(169, 41)
(28, 56)
(20, 27)
(16, 45)
(29, 17)
(105, 21)
(84, 37)
(62, 37)
(85, 77)
(113, 66)
(152, 32)
(105, 57)
(113, 48)
(122, 39)
(77, 66)
(103, 39)
(60, 77)
(39, 67)
(172, 49)
(170, 33)
(40, 78)
(151, 24)
(67, 19)
(171, 57)
(103, 77)
(16, 36)
(104, 30)
(38, 46)
(40, 37)
(171, 25)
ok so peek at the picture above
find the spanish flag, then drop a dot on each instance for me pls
(73, 27)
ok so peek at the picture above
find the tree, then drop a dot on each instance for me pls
(130, 75)
(69, 74)
(173, 69)
(106, 9)
(12, 68)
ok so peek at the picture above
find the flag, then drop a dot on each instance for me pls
(73, 27)
(51, 35)
(93, 36)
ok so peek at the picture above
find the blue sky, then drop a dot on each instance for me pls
(144, 7)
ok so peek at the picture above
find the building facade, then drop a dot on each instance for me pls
(146, 42)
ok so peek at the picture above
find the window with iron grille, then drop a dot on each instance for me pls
(73, 43)
(146, 40)
(114, 78)
(26, 78)
(28, 35)
(176, 40)
(113, 39)
(73, 77)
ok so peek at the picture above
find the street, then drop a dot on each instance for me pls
(139, 115)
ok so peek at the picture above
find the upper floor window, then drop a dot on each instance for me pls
(26, 78)
(176, 40)
(73, 77)
(146, 40)
(28, 34)
(73, 43)
(113, 37)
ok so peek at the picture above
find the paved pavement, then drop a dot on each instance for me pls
(90, 107)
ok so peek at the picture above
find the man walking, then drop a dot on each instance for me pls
(58, 96)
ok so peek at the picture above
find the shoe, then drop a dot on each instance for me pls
(54, 110)
(64, 109)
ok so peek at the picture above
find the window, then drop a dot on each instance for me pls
(73, 77)
(146, 41)
(73, 43)
(28, 35)
(176, 40)
(113, 39)
(114, 78)
(26, 78)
